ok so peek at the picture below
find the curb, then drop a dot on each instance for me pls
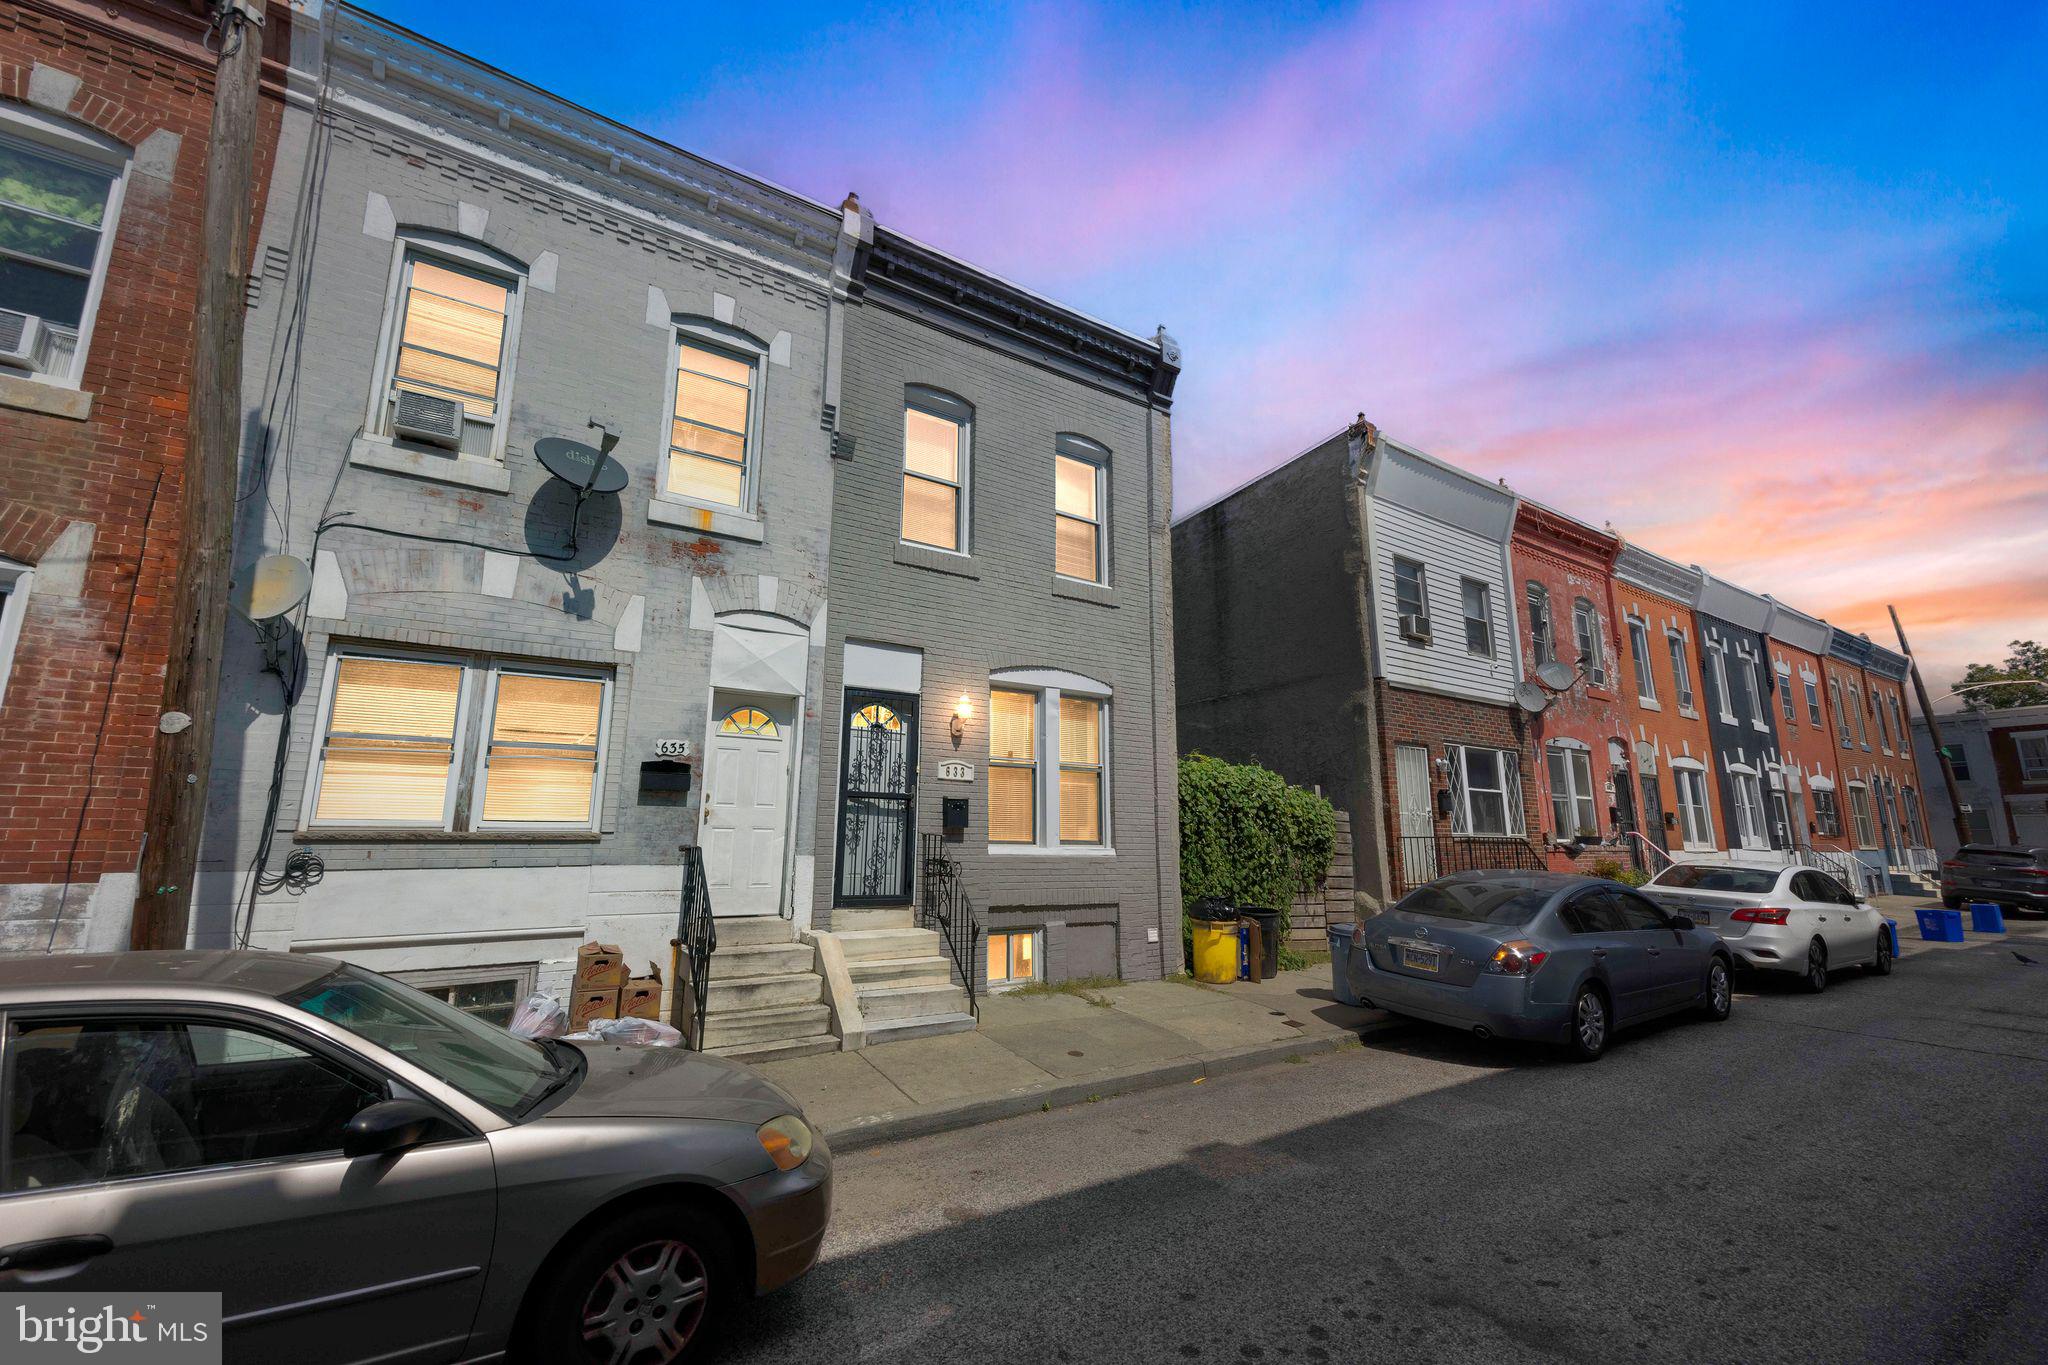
(879, 1129)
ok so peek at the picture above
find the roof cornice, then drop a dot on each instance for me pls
(1652, 572)
(376, 66)
(1533, 521)
(930, 283)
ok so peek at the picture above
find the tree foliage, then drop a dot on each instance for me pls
(2028, 660)
(1249, 838)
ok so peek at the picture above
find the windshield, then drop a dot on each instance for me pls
(1750, 881)
(1487, 902)
(484, 1062)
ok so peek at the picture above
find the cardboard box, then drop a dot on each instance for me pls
(586, 1004)
(640, 998)
(599, 965)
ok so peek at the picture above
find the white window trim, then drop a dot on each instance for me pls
(742, 346)
(1752, 819)
(524, 975)
(1704, 807)
(18, 579)
(471, 740)
(2029, 772)
(1813, 712)
(1759, 708)
(1575, 756)
(1595, 650)
(464, 256)
(1681, 668)
(1082, 450)
(1050, 685)
(1511, 792)
(1011, 983)
(1788, 705)
(936, 405)
(1644, 664)
(72, 141)
(1721, 695)
(1485, 619)
(1860, 813)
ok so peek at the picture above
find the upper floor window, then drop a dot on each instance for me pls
(60, 197)
(451, 332)
(1841, 712)
(1681, 671)
(1639, 654)
(1785, 702)
(1477, 600)
(1411, 599)
(14, 585)
(1542, 642)
(2033, 754)
(1958, 761)
(1718, 657)
(1752, 682)
(936, 433)
(1586, 634)
(714, 428)
(1856, 708)
(1812, 702)
(1884, 726)
(1080, 479)
(443, 743)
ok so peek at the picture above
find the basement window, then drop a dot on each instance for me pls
(489, 994)
(1014, 957)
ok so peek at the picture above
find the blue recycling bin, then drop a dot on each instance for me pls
(1891, 926)
(1340, 963)
(1986, 918)
(1940, 926)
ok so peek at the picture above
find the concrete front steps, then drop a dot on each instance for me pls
(766, 1000)
(901, 974)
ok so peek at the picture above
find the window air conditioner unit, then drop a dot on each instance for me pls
(21, 336)
(423, 417)
(1416, 628)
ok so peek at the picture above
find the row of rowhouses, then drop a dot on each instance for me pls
(1483, 681)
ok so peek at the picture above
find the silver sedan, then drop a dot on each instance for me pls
(1537, 955)
(366, 1173)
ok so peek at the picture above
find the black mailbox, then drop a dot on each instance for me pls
(953, 815)
(664, 782)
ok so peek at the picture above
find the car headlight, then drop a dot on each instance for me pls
(786, 1140)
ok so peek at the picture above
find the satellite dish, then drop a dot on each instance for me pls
(270, 587)
(585, 468)
(1556, 676)
(1531, 698)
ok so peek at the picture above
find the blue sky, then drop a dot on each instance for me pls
(1766, 286)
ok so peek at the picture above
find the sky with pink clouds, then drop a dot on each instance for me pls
(1765, 286)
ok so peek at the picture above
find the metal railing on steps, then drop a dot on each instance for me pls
(695, 941)
(942, 904)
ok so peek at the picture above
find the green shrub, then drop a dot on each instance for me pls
(1633, 876)
(1609, 868)
(1249, 838)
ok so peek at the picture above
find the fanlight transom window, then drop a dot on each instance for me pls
(877, 718)
(748, 720)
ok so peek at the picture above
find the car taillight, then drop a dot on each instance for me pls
(1754, 915)
(1517, 958)
(1951, 867)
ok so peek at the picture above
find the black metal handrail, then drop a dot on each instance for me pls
(943, 905)
(1425, 857)
(696, 940)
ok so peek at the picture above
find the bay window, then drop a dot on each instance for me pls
(400, 749)
(1486, 791)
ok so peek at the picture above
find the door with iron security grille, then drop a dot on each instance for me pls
(877, 799)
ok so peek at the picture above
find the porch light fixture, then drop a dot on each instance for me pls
(963, 711)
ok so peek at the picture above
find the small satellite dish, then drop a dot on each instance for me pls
(587, 469)
(270, 587)
(1531, 698)
(1556, 676)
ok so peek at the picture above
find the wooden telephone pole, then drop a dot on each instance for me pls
(198, 612)
(1948, 772)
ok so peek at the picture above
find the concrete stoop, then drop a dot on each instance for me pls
(901, 976)
(766, 1000)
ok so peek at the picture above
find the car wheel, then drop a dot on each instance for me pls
(648, 1288)
(1720, 990)
(1952, 902)
(1882, 964)
(1591, 1025)
(1816, 978)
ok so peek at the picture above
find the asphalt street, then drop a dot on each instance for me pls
(1858, 1176)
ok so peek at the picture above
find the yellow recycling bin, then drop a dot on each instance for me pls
(1215, 951)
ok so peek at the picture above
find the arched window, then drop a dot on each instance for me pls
(1586, 633)
(60, 197)
(748, 720)
(877, 717)
(1542, 642)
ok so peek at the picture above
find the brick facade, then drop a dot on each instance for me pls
(1660, 728)
(91, 480)
(1434, 721)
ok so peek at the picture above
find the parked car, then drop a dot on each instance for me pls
(2016, 878)
(1537, 955)
(1779, 919)
(367, 1173)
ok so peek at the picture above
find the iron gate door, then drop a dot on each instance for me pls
(877, 799)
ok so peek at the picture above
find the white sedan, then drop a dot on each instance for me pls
(1779, 919)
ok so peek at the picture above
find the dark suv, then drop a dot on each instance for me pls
(2014, 877)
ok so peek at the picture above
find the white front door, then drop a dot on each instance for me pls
(746, 803)
(1418, 822)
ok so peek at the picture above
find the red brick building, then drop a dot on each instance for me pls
(104, 114)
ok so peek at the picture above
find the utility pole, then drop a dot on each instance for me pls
(199, 599)
(1948, 772)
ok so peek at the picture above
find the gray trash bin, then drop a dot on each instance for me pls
(1340, 963)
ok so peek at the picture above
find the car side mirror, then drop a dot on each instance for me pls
(388, 1126)
(1682, 922)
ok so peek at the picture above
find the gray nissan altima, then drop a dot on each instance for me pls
(367, 1173)
(1537, 955)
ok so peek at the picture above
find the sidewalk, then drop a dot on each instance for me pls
(1045, 1050)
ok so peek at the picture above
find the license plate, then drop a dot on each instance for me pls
(1421, 959)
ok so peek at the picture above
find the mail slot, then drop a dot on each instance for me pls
(953, 815)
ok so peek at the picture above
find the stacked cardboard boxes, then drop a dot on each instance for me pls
(604, 990)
